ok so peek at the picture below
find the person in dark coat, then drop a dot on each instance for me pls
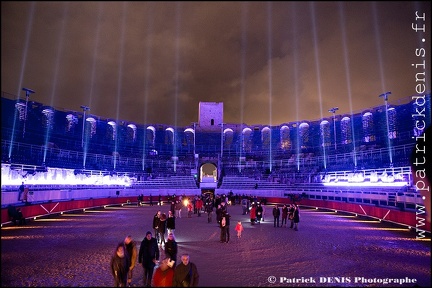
(171, 248)
(244, 203)
(284, 215)
(119, 266)
(252, 214)
(21, 191)
(296, 219)
(148, 256)
(224, 226)
(156, 222)
(259, 212)
(209, 210)
(291, 215)
(170, 222)
(162, 229)
(276, 215)
(172, 205)
(219, 214)
(186, 273)
(132, 255)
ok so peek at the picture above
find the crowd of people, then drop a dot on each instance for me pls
(158, 250)
(156, 254)
(156, 272)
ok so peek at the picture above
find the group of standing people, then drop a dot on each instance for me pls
(162, 224)
(291, 212)
(256, 213)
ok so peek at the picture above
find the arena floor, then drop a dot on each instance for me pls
(74, 250)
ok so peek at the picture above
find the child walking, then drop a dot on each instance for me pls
(239, 228)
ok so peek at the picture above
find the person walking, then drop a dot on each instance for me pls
(21, 191)
(132, 256)
(171, 248)
(252, 214)
(170, 222)
(199, 206)
(284, 215)
(259, 212)
(209, 210)
(140, 200)
(164, 274)
(162, 229)
(219, 214)
(296, 218)
(263, 211)
(194, 200)
(224, 226)
(239, 228)
(178, 207)
(276, 216)
(244, 206)
(148, 256)
(172, 205)
(156, 222)
(227, 217)
(186, 273)
(119, 266)
(190, 208)
(291, 215)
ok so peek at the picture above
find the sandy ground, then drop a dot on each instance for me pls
(74, 250)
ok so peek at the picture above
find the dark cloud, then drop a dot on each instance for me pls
(268, 62)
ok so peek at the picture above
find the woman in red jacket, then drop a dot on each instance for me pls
(164, 274)
(253, 214)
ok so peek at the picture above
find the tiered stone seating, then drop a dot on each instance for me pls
(173, 182)
(237, 182)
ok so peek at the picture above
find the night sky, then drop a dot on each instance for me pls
(268, 62)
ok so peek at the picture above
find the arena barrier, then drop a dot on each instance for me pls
(49, 202)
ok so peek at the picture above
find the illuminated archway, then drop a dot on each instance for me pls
(208, 173)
